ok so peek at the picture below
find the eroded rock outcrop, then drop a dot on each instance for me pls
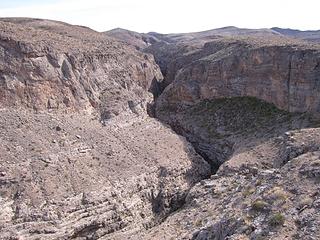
(67, 176)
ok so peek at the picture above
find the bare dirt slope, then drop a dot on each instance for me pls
(69, 176)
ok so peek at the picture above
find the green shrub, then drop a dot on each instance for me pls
(277, 219)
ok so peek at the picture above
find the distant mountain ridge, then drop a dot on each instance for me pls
(142, 40)
(139, 40)
(313, 36)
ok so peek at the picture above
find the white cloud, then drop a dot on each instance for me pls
(176, 15)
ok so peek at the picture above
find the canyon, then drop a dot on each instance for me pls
(124, 135)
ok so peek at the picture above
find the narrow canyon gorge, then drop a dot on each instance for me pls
(124, 135)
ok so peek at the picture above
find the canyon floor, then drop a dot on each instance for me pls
(121, 135)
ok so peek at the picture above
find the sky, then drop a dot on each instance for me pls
(170, 16)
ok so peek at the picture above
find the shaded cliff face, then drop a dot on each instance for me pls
(220, 128)
(277, 72)
(52, 65)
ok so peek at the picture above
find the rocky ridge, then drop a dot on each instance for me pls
(312, 36)
(138, 40)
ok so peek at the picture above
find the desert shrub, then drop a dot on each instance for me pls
(259, 205)
(276, 220)
(306, 201)
(198, 223)
(248, 191)
(278, 193)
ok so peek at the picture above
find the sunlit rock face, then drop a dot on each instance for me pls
(53, 65)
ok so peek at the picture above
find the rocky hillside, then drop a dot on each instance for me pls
(53, 65)
(79, 156)
(252, 201)
(70, 177)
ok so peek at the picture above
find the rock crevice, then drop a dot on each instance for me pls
(289, 82)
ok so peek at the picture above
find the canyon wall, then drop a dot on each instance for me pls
(285, 75)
